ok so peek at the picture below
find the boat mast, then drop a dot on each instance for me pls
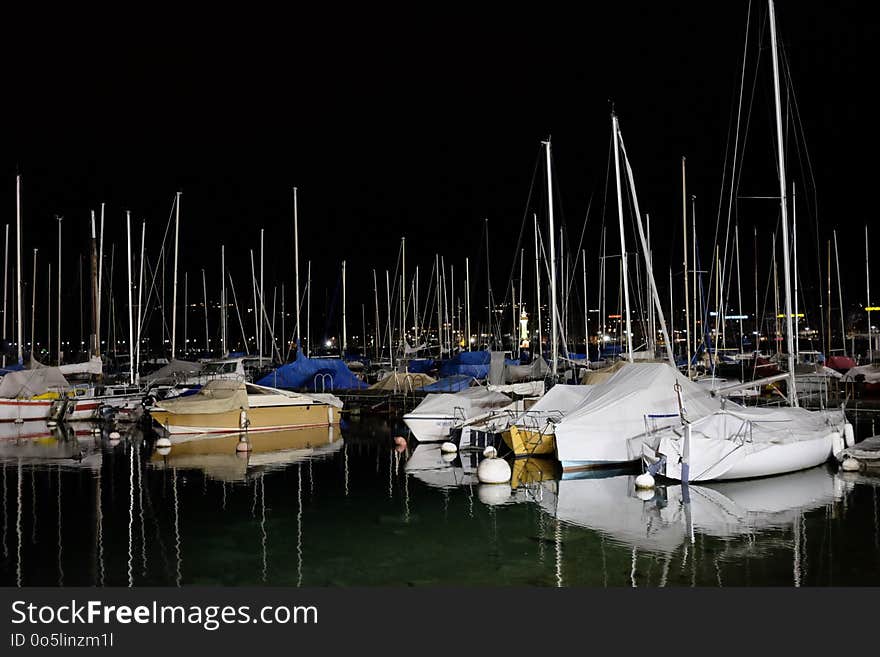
(783, 205)
(58, 313)
(467, 297)
(388, 294)
(344, 328)
(615, 131)
(554, 345)
(262, 311)
(296, 264)
(540, 348)
(94, 257)
(256, 309)
(34, 305)
(5, 288)
(439, 304)
(309, 309)
(100, 278)
(647, 252)
(376, 299)
(205, 298)
(697, 313)
(684, 239)
(868, 292)
(174, 292)
(238, 314)
(130, 314)
(185, 312)
(223, 336)
(140, 314)
(797, 332)
(839, 293)
(586, 311)
(402, 293)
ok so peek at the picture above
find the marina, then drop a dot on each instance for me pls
(636, 353)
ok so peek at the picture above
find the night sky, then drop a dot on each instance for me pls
(421, 125)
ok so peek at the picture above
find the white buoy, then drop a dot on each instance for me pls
(490, 452)
(163, 442)
(51, 423)
(163, 451)
(114, 435)
(493, 471)
(96, 430)
(449, 457)
(850, 465)
(645, 494)
(494, 494)
(644, 481)
(837, 445)
(448, 447)
(849, 435)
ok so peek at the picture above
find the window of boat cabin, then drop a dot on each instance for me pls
(220, 368)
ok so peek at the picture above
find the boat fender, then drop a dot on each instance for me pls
(400, 441)
(163, 442)
(51, 423)
(448, 448)
(114, 435)
(644, 481)
(244, 444)
(493, 471)
(163, 451)
(850, 465)
(837, 445)
(449, 457)
(490, 452)
(645, 494)
(849, 435)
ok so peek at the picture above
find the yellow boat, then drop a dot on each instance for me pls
(224, 406)
(529, 442)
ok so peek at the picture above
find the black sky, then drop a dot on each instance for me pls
(417, 125)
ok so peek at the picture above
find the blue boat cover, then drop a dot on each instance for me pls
(473, 364)
(314, 374)
(455, 383)
(420, 365)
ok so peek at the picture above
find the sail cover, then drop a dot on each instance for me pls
(467, 403)
(217, 396)
(313, 374)
(30, 383)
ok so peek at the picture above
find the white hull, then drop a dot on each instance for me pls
(428, 429)
(24, 410)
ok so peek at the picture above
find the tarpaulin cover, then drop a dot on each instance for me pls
(450, 384)
(399, 382)
(420, 365)
(471, 363)
(218, 396)
(466, 404)
(313, 374)
(840, 363)
(173, 372)
(29, 383)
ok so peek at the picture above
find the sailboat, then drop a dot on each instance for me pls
(735, 443)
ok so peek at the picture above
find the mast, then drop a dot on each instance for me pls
(828, 341)
(553, 329)
(49, 314)
(376, 344)
(344, 328)
(256, 309)
(185, 312)
(646, 250)
(615, 130)
(58, 313)
(694, 261)
(238, 314)
(223, 336)
(467, 297)
(5, 288)
(402, 292)
(439, 305)
(18, 261)
(174, 292)
(100, 279)
(586, 310)
(538, 285)
(792, 393)
(309, 309)
(34, 304)
(130, 314)
(205, 298)
(140, 288)
(296, 264)
(840, 293)
(388, 294)
(96, 350)
(797, 332)
(868, 292)
(262, 310)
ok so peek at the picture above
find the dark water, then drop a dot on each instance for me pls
(344, 508)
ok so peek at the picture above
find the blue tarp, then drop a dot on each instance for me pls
(469, 363)
(455, 383)
(316, 374)
(420, 365)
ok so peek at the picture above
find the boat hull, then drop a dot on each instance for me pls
(527, 442)
(430, 429)
(24, 410)
(269, 418)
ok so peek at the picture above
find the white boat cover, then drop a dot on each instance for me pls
(637, 396)
(218, 396)
(537, 369)
(464, 404)
(93, 366)
(525, 389)
(172, 372)
(863, 373)
(748, 442)
(30, 383)
(553, 406)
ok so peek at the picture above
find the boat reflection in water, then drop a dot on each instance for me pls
(667, 517)
(438, 470)
(36, 443)
(217, 457)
